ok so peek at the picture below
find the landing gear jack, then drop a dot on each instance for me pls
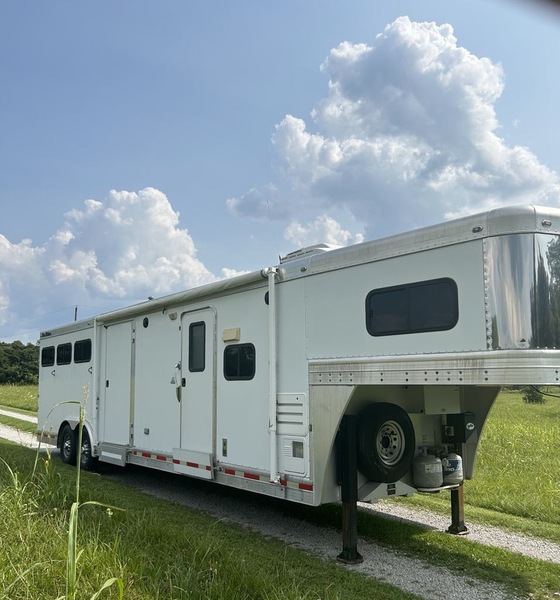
(457, 526)
(349, 472)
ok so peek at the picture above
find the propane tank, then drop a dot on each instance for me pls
(452, 469)
(427, 470)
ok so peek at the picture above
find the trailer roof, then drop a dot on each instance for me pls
(501, 221)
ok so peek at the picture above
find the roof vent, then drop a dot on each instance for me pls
(307, 251)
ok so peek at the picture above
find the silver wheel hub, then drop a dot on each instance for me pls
(85, 449)
(390, 443)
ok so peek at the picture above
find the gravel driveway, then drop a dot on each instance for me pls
(410, 574)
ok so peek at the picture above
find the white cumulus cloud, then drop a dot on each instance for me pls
(323, 229)
(407, 134)
(127, 247)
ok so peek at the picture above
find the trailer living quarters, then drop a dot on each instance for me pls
(319, 379)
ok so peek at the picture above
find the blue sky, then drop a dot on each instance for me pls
(146, 147)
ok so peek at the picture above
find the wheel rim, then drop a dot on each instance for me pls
(390, 443)
(86, 451)
(67, 446)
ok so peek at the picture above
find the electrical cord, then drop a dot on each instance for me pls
(534, 387)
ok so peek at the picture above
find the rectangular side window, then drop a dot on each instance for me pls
(197, 347)
(82, 351)
(47, 356)
(388, 311)
(413, 308)
(64, 354)
(434, 306)
(239, 362)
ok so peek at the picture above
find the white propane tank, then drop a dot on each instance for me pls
(427, 470)
(452, 469)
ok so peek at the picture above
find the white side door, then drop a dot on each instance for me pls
(197, 395)
(116, 392)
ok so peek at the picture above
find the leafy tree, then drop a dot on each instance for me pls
(19, 363)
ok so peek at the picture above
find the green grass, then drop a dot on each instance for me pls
(161, 550)
(18, 424)
(158, 549)
(22, 397)
(518, 470)
(19, 399)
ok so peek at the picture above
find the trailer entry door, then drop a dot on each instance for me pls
(197, 393)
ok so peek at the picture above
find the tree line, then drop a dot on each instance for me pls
(19, 363)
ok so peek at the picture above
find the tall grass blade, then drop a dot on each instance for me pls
(107, 585)
(72, 558)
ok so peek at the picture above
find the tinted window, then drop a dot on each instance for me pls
(412, 308)
(47, 356)
(64, 354)
(239, 362)
(82, 351)
(197, 347)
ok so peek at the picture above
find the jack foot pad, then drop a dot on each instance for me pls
(458, 530)
(350, 558)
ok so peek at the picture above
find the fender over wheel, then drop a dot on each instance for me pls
(386, 442)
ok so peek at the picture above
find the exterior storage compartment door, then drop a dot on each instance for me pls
(116, 387)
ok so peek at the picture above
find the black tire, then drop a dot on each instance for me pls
(68, 445)
(87, 460)
(386, 442)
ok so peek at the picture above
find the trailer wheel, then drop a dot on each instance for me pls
(386, 442)
(87, 460)
(68, 445)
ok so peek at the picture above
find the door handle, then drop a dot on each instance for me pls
(177, 381)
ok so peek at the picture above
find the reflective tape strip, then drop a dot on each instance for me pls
(295, 485)
(170, 459)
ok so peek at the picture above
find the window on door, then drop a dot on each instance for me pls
(197, 347)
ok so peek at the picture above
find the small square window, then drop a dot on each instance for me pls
(239, 362)
(47, 356)
(82, 351)
(64, 354)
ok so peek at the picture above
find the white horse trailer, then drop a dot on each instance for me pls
(318, 380)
